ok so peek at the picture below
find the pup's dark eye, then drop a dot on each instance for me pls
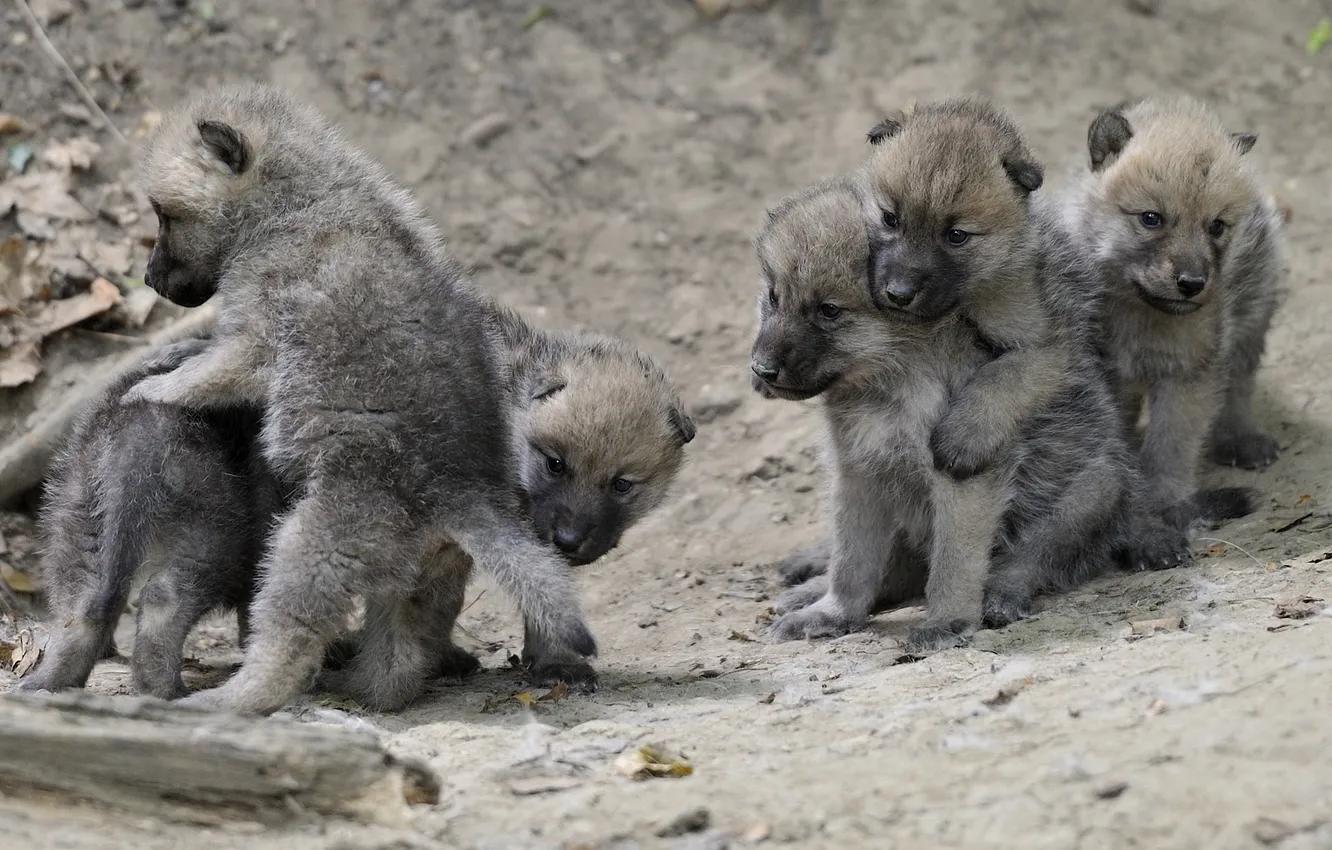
(890, 220)
(1150, 220)
(958, 237)
(772, 295)
(622, 485)
(1216, 228)
(555, 465)
(829, 311)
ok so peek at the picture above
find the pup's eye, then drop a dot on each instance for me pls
(829, 311)
(622, 485)
(772, 295)
(890, 220)
(555, 465)
(958, 237)
(1150, 220)
(1216, 228)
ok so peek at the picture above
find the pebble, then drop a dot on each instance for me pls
(485, 130)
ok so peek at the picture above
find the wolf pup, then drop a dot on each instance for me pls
(381, 381)
(1191, 255)
(182, 497)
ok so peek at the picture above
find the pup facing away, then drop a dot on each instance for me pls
(1059, 497)
(382, 384)
(1191, 255)
(180, 497)
(599, 434)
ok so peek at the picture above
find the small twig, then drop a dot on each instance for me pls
(473, 602)
(1233, 546)
(54, 55)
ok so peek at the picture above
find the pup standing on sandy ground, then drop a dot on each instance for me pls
(1192, 255)
(599, 435)
(382, 383)
(181, 495)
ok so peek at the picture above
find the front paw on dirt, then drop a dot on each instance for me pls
(813, 622)
(957, 457)
(457, 663)
(1251, 451)
(578, 675)
(934, 636)
(1162, 549)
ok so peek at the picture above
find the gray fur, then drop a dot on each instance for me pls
(1051, 511)
(1190, 353)
(181, 498)
(383, 386)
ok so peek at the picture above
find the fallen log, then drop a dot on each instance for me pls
(161, 760)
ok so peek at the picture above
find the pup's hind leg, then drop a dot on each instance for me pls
(406, 640)
(1064, 547)
(195, 578)
(326, 553)
(1236, 438)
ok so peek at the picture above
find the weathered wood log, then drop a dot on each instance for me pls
(153, 757)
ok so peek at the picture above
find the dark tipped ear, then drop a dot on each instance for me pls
(1244, 141)
(546, 386)
(1106, 137)
(1027, 174)
(227, 144)
(681, 422)
(885, 129)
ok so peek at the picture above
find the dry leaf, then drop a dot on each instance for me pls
(10, 124)
(58, 315)
(7, 653)
(1006, 694)
(555, 694)
(20, 363)
(67, 156)
(1146, 628)
(14, 289)
(740, 636)
(1300, 609)
(109, 258)
(15, 580)
(1304, 500)
(25, 655)
(526, 698)
(650, 761)
(1216, 550)
(45, 193)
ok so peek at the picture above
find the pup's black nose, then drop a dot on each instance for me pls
(568, 540)
(765, 370)
(1190, 284)
(899, 293)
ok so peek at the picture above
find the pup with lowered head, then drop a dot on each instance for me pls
(381, 380)
(181, 497)
(599, 435)
(1190, 255)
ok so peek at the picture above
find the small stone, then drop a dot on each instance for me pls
(694, 820)
(1144, 7)
(486, 129)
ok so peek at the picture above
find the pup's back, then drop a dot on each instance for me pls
(180, 498)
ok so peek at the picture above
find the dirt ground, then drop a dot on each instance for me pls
(639, 147)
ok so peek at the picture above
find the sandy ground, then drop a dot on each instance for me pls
(641, 146)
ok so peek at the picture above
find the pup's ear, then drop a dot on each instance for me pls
(546, 386)
(885, 129)
(1244, 141)
(1026, 174)
(1106, 137)
(227, 144)
(681, 422)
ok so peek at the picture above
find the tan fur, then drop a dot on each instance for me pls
(1191, 355)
